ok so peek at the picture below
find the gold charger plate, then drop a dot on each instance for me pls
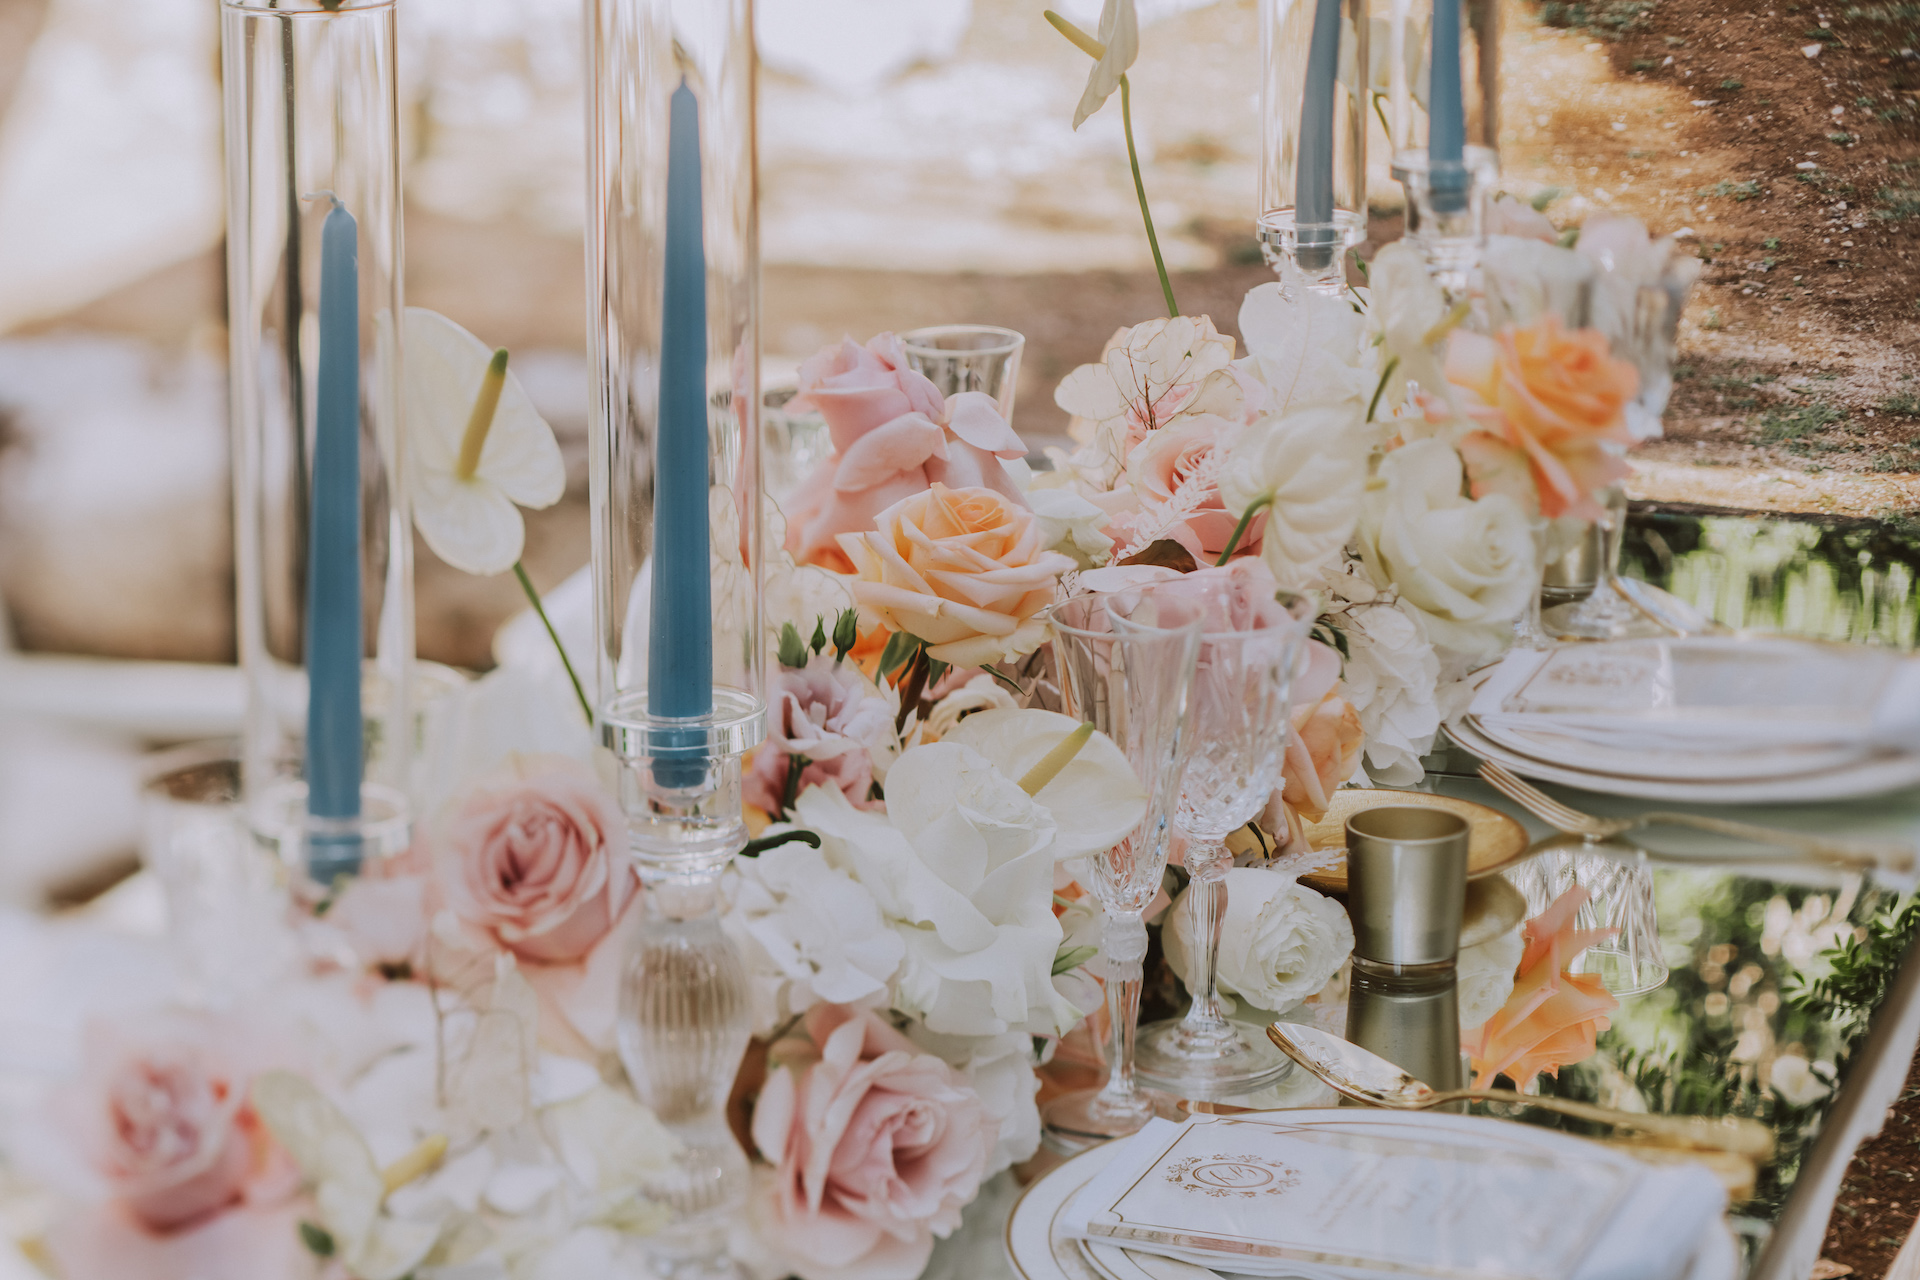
(1495, 841)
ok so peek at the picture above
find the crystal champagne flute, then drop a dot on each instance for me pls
(1128, 675)
(1240, 709)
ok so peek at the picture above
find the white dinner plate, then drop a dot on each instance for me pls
(1870, 777)
(1039, 1250)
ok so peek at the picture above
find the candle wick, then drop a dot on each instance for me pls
(480, 421)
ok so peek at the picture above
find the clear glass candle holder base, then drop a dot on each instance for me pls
(1236, 1060)
(1315, 254)
(322, 850)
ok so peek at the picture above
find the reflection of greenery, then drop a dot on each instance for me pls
(1757, 973)
(1839, 580)
(1858, 972)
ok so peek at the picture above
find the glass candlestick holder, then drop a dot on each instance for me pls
(1313, 138)
(1446, 213)
(322, 530)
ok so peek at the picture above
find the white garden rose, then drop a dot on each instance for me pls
(961, 865)
(1485, 975)
(1466, 565)
(1312, 466)
(1280, 942)
(1306, 349)
(1149, 377)
(811, 933)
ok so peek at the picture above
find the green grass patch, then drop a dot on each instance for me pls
(1645, 64)
(1732, 86)
(1898, 203)
(1882, 12)
(1796, 422)
(1821, 34)
(1602, 17)
(1741, 191)
(1841, 139)
(1904, 405)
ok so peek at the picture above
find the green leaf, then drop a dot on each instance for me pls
(899, 652)
(1006, 680)
(846, 633)
(935, 670)
(792, 652)
(1073, 958)
(819, 641)
(318, 1239)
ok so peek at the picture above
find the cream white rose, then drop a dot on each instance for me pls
(1312, 467)
(1391, 675)
(1466, 565)
(961, 865)
(1410, 311)
(1280, 941)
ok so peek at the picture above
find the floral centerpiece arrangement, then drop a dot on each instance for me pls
(428, 1084)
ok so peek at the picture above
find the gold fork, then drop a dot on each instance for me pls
(1856, 855)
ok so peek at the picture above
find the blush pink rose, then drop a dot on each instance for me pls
(963, 569)
(162, 1117)
(535, 857)
(832, 717)
(1175, 456)
(893, 434)
(876, 1147)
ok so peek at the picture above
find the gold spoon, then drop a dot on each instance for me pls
(1366, 1077)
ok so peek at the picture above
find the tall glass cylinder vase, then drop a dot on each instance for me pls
(322, 539)
(1313, 137)
(673, 280)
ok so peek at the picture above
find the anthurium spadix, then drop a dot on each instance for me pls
(480, 448)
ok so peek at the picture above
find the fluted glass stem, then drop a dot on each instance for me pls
(1205, 1025)
(1125, 942)
(1528, 633)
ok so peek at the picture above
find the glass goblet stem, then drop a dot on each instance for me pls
(1205, 1026)
(1125, 939)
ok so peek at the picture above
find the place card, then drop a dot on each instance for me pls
(1438, 1196)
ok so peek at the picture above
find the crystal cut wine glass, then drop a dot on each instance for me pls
(1241, 723)
(1128, 675)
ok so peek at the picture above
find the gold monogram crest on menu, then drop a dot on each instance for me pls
(1232, 1176)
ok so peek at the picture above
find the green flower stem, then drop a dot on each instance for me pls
(1254, 508)
(1140, 189)
(533, 597)
(1373, 405)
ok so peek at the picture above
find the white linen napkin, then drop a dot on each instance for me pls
(1704, 706)
(1431, 1169)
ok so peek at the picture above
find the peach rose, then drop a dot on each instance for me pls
(1558, 398)
(535, 857)
(962, 569)
(1553, 1018)
(162, 1116)
(876, 1147)
(893, 435)
(1322, 753)
(1172, 457)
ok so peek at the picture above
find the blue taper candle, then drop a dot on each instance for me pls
(1313, 179)
(1447, 126)
(680, 641)
(333, 558)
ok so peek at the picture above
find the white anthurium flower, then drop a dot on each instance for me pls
(478, 447)
(1466, 565)
(1279, 942)
(1411, 312)
(348, 1187)
(1309, 468)
(1119, 36)
(812, 934)
(1095, 799)
(962, 867)
(1307, 349)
